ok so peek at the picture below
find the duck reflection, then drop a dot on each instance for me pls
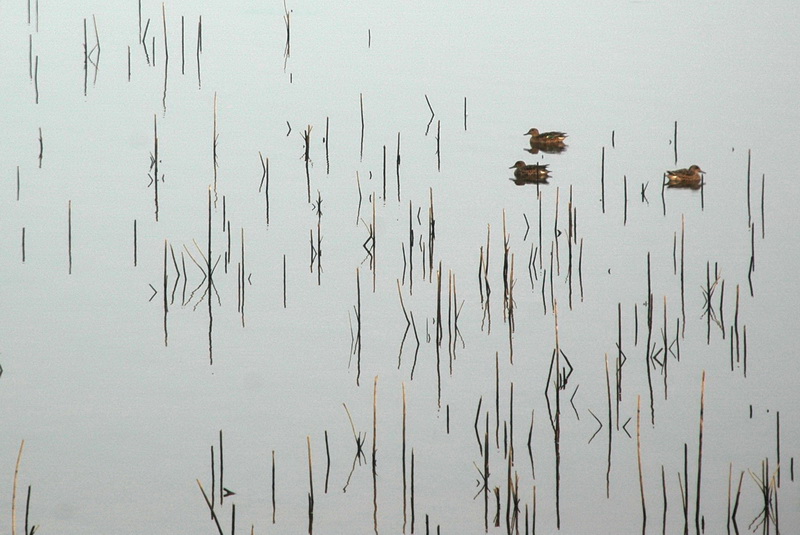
(550, 148)
(530, 173)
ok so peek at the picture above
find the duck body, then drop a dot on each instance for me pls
(691, 177)
(546, 138)
(530, 173)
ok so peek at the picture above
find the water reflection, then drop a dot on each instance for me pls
(530, 173)
(524, 182)
(551, 148)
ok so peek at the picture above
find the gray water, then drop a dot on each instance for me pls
(119, 403)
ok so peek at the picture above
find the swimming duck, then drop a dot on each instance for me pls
(530, 173)
(546, 138)
(691, 177)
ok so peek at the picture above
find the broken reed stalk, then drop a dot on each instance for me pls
(465, 114)
(384, 173)
(666, 350)
(287, 19)
(736, 501)
(431, 235)
(273, 486)
(96, 36)
(530, 450)
(486, 475)
(327, 159)
(328, 461)
(427, 129)
(497, 399)
(164, 24)
(752, 258)
(209, 286)
(675, 141)
(664, 494)
(23, 245)
(556, 233)
(361, 105)
(403, 386)
(449, 332)
(439, 334)
(242, 276)
(164, 292)
(603, 180)
(284, 281)
(374, 450)
(411, 250)
(763, 178)
(264, 182)
(749, 216)
(86, 57)
(744, 341)
(214, 148)
(675, 253)
(213, 482)
(639, 460)
(310, 487)
(210, 505)
(685, 492)
(608, 460)
(580, 268)
(736, 323)
(154, 164)
(557, 422)
(625, 212)
(511, 421)
(700, 454)
(438, 139)
(730, 477)
(708, 308)
(221, 465)
(373, 246)
(199, 49)
(14, 490)
(36, 78)
(69, 234)
(648, 351)
(27, 510)
(412, 490)
(306, 157)
(358, 324)
(183, 53)
(778, 446)
(397, 166)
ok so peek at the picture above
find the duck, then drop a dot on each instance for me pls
(545, 138)
(530, 173)
(691, 177)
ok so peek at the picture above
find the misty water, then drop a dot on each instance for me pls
(378, 279)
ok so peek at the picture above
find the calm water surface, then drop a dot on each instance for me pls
(119, 403)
